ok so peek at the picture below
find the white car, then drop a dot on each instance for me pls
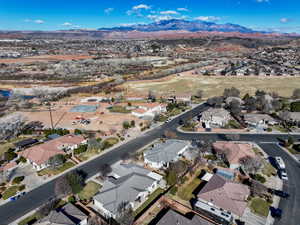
(283, 175)
(280, 163)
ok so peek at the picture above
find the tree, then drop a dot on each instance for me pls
(179, 167)
(56, 161)
(62, 187)
(125, 214)
(132, 123)
(170, 134)
(199, 94)
(231, 92)
(277, 105)
(76, 181)
(151, 96)
(93, 145)
(296, 93)
(215, 101)
(235, 107)
(105, 169)
(171, 177)
(45, 209)
(77, 131)
(250, 164)
(126, 125)
(250, 104)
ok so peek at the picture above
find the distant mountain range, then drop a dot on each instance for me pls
(177, 24)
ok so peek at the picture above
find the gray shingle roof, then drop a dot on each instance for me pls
(174, 218)
(123, 169)
(124, 189)
(166, 151)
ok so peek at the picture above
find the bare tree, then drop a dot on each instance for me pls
(199, 94)
(296, 93)
(250, 164)
(125, 215)
(105, 169)
(62, 187)
(170, 134)
(96, 220)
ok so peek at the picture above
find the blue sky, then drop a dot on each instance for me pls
(276, 15)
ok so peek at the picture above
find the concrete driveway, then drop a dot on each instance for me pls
(253, 219)
(32, 180)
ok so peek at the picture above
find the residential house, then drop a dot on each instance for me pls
(215, 117)
(148, 109)
(259, 120)
(225, 194)
(39, 155)
(67, 215)
(172, 217)
(234, 152)
(162, 153)
(130, 184)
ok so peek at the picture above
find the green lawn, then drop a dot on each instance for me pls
(11, 191)
(49, 171)
(260, 207)
(118, 109)
(185, 192)
(30, 219)
(90, 189)
(151, 197)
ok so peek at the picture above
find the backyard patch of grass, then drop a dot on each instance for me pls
(30, 219)
(118, 109)
(151, 197)
(11, 191)
(185, 192)
(260, 206)
(49, 171)
(90, 189)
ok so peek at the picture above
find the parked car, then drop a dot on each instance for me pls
(282, 174)
(275, 212)
(279, 193)
(280, 163)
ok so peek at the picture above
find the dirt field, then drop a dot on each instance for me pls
(212, 86)
(45, 58)
(101, 119)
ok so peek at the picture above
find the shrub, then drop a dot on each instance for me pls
(259, 178)
(80, 149)
(22, 159)
(22, 187)
(295, 107)
(173, 190)
(71, 199)
(18, 180)
(10, 155)
(269, 129)
(77, 131)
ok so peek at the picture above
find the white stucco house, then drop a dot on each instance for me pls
(149, 109)
(215, 117)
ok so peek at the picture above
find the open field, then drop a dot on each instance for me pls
(213, 85)
(45, 58)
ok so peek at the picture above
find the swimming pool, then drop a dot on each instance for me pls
(84, 108)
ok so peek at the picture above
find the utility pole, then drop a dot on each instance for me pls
(50, 112)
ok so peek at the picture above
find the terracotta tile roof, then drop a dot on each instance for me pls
(40, 154)
(234, 151)
(8, 166)
(141, 111)
(225, 194)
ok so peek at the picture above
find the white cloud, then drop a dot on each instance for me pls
(131, 24)
(285, 20)
(182, 9)
(169, 12)
(141, 6)
(208, 18)
(67, 24)
(157, 18)
(137, 10)
(34, 21)
(39, 21)
(109, 10)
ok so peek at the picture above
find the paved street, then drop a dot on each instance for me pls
(13, 210)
